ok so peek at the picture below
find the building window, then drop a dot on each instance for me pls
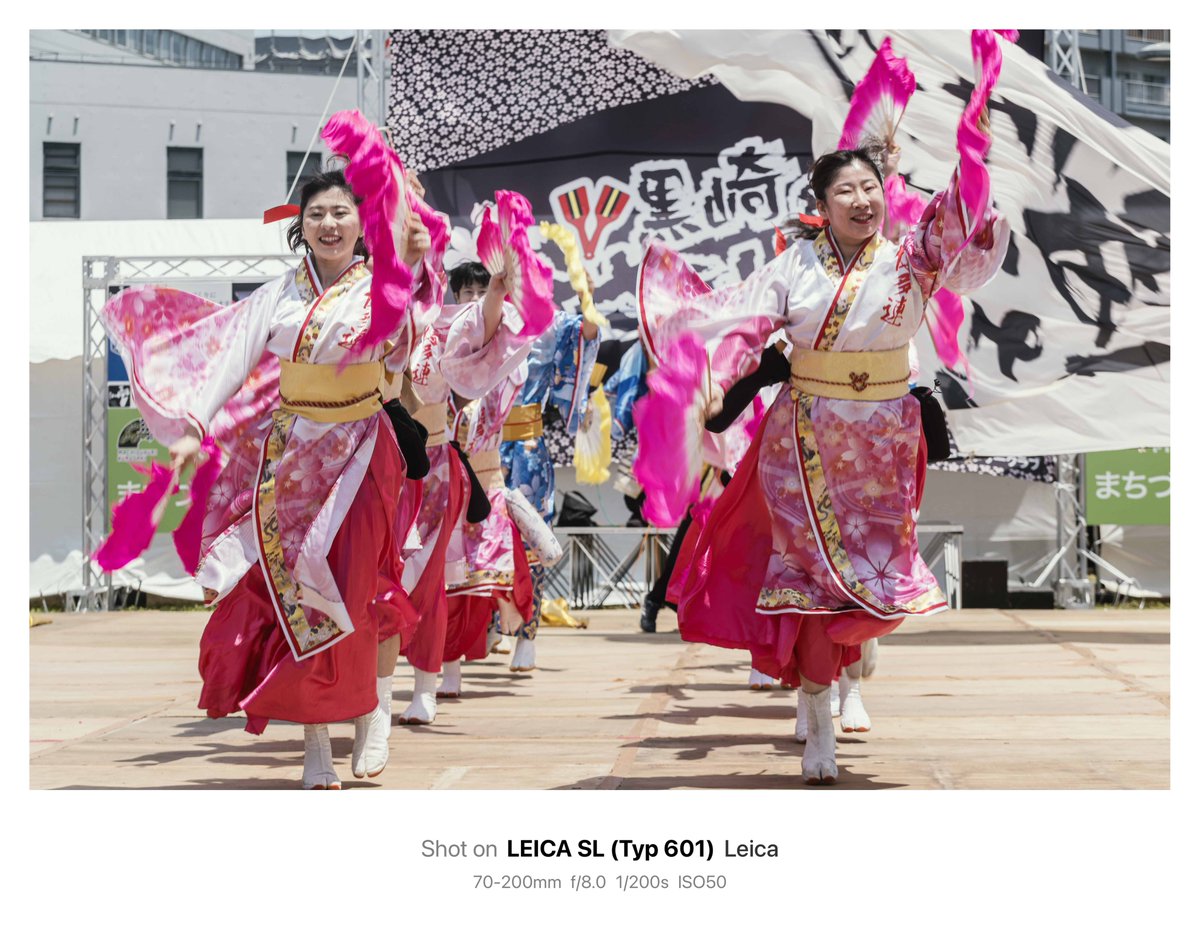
(1147, 91)
(60, 180)
(185, 182)
(168, 46)
(312, 166)
(1149, 35)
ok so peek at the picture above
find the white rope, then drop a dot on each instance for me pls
(321, 123)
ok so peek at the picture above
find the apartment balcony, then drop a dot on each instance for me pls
(1145, 98)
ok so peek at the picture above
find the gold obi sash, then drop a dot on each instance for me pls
(487, 469)
(433, 418)
(523, 423)
(851, 375)
(598, 372)
(320, 393)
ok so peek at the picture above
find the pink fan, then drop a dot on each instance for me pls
(530, 279)
(672, 414)
(879, 99)
(134, 520)
(488, 243)
(376, 175)
(665, 284)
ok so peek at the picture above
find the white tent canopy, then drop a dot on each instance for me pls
(57, 250)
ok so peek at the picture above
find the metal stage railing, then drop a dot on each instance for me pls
(601, 568)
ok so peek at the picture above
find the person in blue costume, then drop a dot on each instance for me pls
(560, 367)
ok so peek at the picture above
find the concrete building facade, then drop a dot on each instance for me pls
(1129, 72)
(116, 134)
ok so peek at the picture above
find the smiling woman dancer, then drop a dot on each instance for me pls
(813, 546)
(300, 531)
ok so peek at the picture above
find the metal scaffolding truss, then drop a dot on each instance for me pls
(100, 275)
(1065, 60)
(373, 72)
(1067, 566)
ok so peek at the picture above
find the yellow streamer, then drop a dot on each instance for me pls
(567, 241)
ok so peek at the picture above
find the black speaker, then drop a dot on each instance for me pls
(985, 583)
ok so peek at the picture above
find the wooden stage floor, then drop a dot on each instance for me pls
(963, 700)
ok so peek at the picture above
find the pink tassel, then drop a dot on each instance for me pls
(188, 534)
(780, 242)
(376, 175)
(671, 414)
(134, 520)
(879, 99)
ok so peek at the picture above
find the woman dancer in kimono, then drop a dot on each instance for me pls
(813, 546)
(484, 573)
(300, 530)
(488, 572)
(464, 349)
(560, 365)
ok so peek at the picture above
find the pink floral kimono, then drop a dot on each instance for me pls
(303, 527)
(449, 357)
(491, 561)
(813, 547)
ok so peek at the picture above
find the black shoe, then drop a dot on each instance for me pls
(650, 609)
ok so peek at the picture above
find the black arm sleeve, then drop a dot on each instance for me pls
(773, 368)
(478, 507)
(411, 436)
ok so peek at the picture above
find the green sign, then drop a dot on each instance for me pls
(129, 444)
(1130, 487)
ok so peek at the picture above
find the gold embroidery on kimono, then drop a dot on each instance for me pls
(316, 317)
(305, 637)
(850, 281)
(821, 505)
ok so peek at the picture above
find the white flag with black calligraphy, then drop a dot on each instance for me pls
(1069, 346)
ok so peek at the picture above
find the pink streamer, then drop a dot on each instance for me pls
(973, 144)
(439, 232)
(944, 314)
(134, 520)
(671, 414)
(189, 533)
(904, 208)
(376, 175)
(881, 96)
